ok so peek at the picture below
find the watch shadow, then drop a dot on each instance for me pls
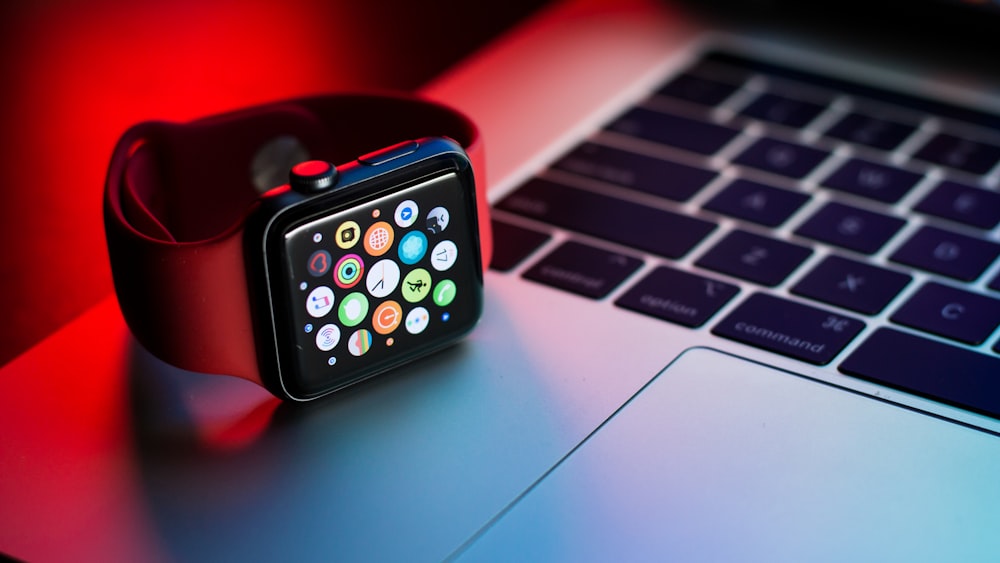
(226, 468)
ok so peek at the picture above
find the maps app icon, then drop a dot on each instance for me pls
(406, 213)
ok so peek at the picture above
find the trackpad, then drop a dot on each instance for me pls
(721, 459)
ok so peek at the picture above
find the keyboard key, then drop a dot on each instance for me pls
(951, 313)
(782, 110)
(512, 244)
(738, 64)
(656, 176)
(583, 269)
(960, 153)
(851, 228)
(963, 204)
(872, 180)
(702, 137)
(949, 254)
(756, 202)
(697, 89)
(781, 157)
(624, 222)
(789, 328)
(995, 283)
(928, 368)
(852, 285)
(755, 258)
(679, 297)
(870, 131)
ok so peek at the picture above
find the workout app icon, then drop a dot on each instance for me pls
(416, 285)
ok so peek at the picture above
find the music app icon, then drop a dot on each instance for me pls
(319, 302)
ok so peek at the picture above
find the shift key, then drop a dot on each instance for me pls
(789, 328)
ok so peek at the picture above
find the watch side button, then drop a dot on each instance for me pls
(312, 176)
(382, 156)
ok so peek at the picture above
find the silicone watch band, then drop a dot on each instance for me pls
(177, 196)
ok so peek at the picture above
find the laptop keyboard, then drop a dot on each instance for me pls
(821, 211)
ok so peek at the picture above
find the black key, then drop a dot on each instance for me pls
(851, 228)
(698, 89)
(781, 157)
(960, 153)
(951, 313)
(788, 328)
(624, 222)
(678, 297)
(702, 137)
(511, 244)
(930, 369)
(871, 131)
(756, 202)
(782, 110)
(640, 172)
(738, 63)
(964, 204)
(949, 254)
(853, 285)
(583, 269)
(872, 180)
(755, 258)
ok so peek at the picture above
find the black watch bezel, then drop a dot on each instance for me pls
(358, 185)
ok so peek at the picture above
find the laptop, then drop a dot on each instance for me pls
(743, 306)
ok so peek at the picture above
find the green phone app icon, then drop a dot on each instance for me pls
(444, 293)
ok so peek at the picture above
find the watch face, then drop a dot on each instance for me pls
(377, 284)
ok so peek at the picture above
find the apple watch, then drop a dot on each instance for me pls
(305, 245)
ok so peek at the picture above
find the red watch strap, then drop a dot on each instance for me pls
(177, 196)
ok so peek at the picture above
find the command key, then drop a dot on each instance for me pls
(792, 329)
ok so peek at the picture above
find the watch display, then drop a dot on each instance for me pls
(371, 286)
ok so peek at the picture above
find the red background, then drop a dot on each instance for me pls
(76, 74)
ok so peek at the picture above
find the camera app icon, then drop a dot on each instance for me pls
(347, 234)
